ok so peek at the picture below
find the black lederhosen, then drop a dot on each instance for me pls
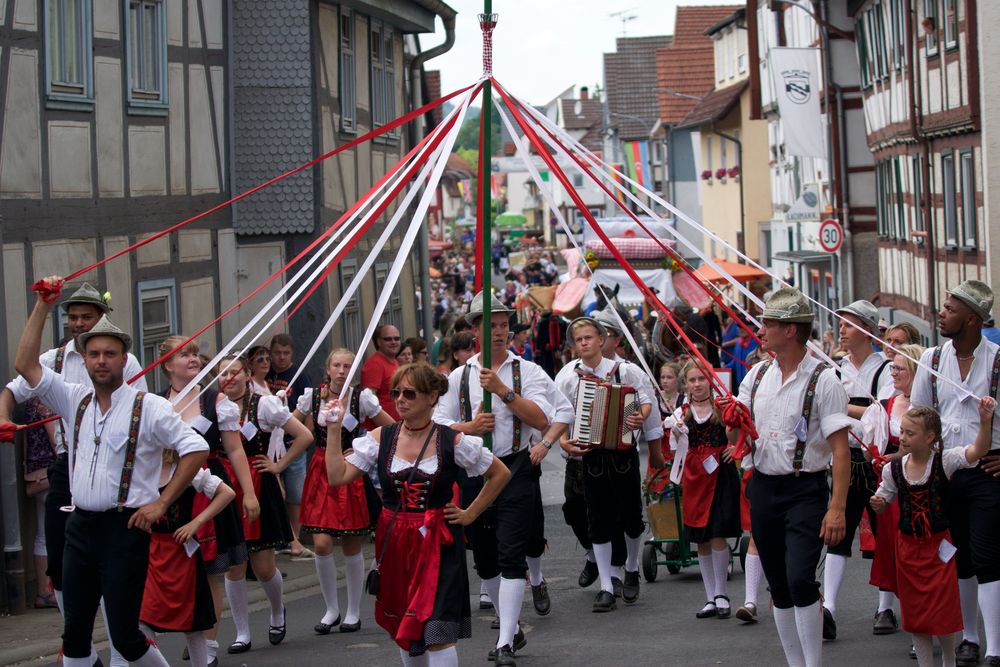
(974, 520)
(612, 487)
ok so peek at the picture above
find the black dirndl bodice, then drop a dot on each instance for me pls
(425, 491)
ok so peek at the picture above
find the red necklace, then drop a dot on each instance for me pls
(416, 430)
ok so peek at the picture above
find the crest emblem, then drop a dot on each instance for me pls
(797, 87)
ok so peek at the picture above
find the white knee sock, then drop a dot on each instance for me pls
(493, 590)
(886, 599)
(212, 649)
(326, 569)
(989, 604)
(534, 570)
(78, 662)
(707, 567)
(602, 554)
(197, 648)
(833, 575)
(274, 589)
(509, 609)
(117, 659)
(784, 620)
(968, 592)
(809, 623)
(446, 657)
(151, 658)
(633, 545)
(354, 568)
(236, 593)
(923, 645)
(947, 650)
(413, 661)
(720, 565)
(753, 574)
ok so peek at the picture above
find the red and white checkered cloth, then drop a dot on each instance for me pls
(631, 248)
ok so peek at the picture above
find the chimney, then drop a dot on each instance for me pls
(584, 93)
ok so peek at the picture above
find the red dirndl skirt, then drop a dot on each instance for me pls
(883, 574)
(177, 597)
(339, 510)
(745, 500)
(927, 588)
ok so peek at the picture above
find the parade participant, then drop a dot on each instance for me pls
(799, 408)
(223, 546)
(611, 479)
(113, 487)
(501, 539)
(926, 571)
(898, 335)
(462, 348)
(177, 597)
(422, 597)
(972, 362)
(520, 344)
(865, 377)
(83, 310)
(378, 368)
(259, 415)
(340, 512)
(670, 388)
(711, 487)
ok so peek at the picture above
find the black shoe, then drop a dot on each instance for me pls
(616, 586)
(913, 652)
(519, 643)
(495, 623)
(98, 662)
(238, 647)
(185, 655)
(540, 596)
(604, 601)
(708, 611)
(885, 623)
(350, 627)
(322, 628)
(505, 656)
(588, 574)
(967, 654)
(630, 588)
(276, 633)
(992, 661)
(829, 626)
(214, 662)
(723, 612)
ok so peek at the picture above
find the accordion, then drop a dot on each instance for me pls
(601, 409)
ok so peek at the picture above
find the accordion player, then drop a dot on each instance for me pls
(601, 410)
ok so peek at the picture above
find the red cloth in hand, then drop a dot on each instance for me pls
(49, 292)
(735, 415)
(7, 432)
(878, 461)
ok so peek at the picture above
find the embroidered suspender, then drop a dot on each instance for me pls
(465, 403)
(60, 357)
(79, 420)
(516, 373)
(130, 446)
(807, 406)
(935, 362)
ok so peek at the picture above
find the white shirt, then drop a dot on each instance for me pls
(470, 455)
(952, 460)
(959, 414)
(159, 428)
(858, 381)
(74, 370)
(568, 380)
(778, 410)
(534, 388)
(368, 404)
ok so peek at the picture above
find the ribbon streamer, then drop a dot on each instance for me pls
(9, 430)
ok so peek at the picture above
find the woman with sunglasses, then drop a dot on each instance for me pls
(258, 417)
(423, 595)
(260, 366)
(343, 511)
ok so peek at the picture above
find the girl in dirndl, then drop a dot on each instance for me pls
(926, 575)
(710, 487)
(177, 597)
(259, 417)
(342, 512)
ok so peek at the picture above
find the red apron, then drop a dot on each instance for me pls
(251, 531)
(168, 601)
(883, 573)
(698, 486)
(340, 508)
(745, 500)
(928, 588)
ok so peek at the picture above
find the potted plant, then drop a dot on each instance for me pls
(707, 176)
(720, 174)
(734, 173)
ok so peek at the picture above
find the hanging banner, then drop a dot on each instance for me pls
(796, 77)
(637, 161)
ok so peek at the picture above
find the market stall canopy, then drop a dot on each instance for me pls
(435, 248)
(510, 219)
(743, 273)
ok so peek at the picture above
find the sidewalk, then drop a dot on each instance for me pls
(34, 636)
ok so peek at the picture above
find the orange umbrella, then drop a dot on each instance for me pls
(741, 272)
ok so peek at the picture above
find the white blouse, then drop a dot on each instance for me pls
(227, 414)
(272, 413)
(368, 404)
(952, 460)
(470, 455)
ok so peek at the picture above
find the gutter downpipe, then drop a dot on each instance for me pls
(447, 15)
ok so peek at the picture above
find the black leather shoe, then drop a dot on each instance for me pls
(723, 612)
(495, 623)
(185, 655)
(322, 628)
(967, 654)
(616, 586)
(604, 601)
(98, 662)
(238, 647)
(214, 662)
(588, 574)
(829, 626)
(885, 623)
(519, 643)
(708, 611)
(276, 633)
(505, 656)
(350, 627)
(630, 587)
(540, 596)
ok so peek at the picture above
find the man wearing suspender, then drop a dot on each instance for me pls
(799, 408)
(501, 537)
(865, 377)
(116, 442)
(973, 362)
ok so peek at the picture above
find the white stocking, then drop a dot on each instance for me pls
(720, 565)
(968, 593)
(236, 592)
(197, 648)
(809, 622)
(602, 554)
(833, 575)
(413, 661)
(534, 570)
(753, 574)
(326, 569)
(509, 609)
(354, 567)
(923, 645)
(446, 657)
(784, 620)
(989, 604)
(274, 589)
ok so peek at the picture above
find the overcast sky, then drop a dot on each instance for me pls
(541, 47)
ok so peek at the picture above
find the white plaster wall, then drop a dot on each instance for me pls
(108, 115)
(20, 146)
(147, 170)
(119, 274)
(60, 258)
(69, 159)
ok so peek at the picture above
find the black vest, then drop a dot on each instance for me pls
(927, 498)
(426, 491)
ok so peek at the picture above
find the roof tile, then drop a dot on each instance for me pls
(630, 84)
(715, 105)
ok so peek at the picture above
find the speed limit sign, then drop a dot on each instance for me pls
(831, 235)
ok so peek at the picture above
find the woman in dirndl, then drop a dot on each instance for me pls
(423, 594)
(349, 512)
(177, 597)
(259, 416)
(710, 487)
(216, 418)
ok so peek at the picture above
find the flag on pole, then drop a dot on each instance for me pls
(795, 73)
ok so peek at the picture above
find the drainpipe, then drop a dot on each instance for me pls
(447, 15)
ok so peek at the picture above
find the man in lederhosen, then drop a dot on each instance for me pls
(83, 310)
(116, 437)
(799, 407)
(502, 536)
(971, 361)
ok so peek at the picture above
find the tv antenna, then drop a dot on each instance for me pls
(624, 16)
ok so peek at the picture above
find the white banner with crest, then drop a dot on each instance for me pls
(797, 86)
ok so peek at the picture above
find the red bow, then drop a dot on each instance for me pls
(735, 415)
(7, 432)
(878, 461)
(49, 292)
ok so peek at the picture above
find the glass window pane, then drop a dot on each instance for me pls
(72, 30)
(155, 312)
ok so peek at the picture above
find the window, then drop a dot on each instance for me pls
(157, 320)
(382, 76)
(352, 311)
(393, 313)
(741, 51)
(708, 154)
(720, 60)
(69, 61)
(899, 14)
(347, 94)
(930, 27)
(878, 28)
(968, 199)
(902, 231)
(918, 194)
(577, 180)
(864, 63)
(950, 212)
(950, 24)
(146, 44)
(736, 155)
(881, 213)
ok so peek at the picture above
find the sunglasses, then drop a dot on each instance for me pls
(391, 338)
(408, 394)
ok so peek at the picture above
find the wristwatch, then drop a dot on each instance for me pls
(548, 444)
(508, 397)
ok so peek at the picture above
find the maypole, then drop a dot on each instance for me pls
(487, 21)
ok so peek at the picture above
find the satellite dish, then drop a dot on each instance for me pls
(578, 108)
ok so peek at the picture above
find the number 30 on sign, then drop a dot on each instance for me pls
(831, 235)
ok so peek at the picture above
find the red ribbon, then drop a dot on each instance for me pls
(9, 430)
(878, 460)
(736, 415)
(48, 291)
